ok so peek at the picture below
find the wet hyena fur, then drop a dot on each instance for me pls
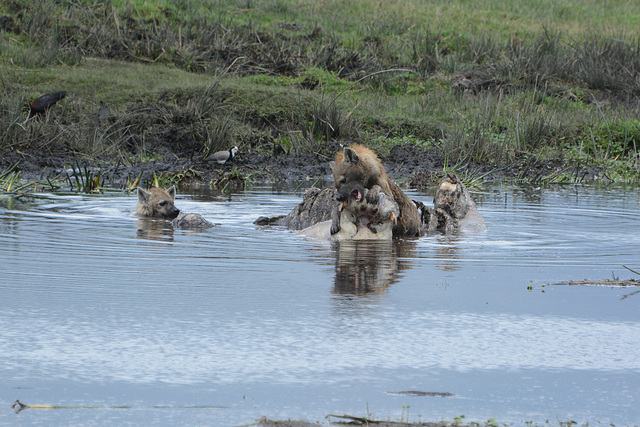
(317, 206)
(369, 215)
(453, 197)
(453, 209)
(357, 169)
(157, 203)
(456, 211)
(192, 221)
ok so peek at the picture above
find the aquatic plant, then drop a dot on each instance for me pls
(83, 180)
(10, 181)
(11, 184)
(234, 179)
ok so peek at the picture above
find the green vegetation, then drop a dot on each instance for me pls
(510, 85)
(12, 187)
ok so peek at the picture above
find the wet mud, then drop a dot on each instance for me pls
(409, 166)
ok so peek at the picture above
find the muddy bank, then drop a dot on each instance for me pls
(408, 165)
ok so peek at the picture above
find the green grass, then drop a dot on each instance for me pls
(546, 80)
(352, 19)
(110, 81)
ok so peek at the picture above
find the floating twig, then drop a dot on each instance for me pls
(631, 270)
(620, 283)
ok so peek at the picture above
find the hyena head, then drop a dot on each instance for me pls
(349, 176)
(450, 196)
(447, 191)
(157, 203)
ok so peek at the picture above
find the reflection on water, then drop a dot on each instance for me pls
(224, 326)
(155, 229)
(447, 253)
(369, 267)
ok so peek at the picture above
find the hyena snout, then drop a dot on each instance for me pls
(345, 195)
(169, 211)
(349, 189)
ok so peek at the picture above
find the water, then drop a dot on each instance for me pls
(123, 323)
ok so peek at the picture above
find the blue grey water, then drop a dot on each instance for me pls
(124, 323)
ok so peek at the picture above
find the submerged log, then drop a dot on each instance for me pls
(619, 283)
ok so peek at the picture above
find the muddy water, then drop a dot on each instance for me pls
(126, 322)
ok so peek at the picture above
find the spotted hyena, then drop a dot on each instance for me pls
(358, 169)
(157, 203)
(370, 215)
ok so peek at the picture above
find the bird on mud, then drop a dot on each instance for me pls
(41, 105)
(222, 157)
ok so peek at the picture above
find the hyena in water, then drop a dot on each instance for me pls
(157, 203)
(358, 169)
(371, 216)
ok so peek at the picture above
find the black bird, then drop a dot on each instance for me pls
(42, 104)
(223, 157)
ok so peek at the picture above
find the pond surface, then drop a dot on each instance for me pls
(127, 322)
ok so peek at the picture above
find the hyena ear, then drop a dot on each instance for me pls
(143, 195)
(172, 192)
(350, 156)
(453, 177)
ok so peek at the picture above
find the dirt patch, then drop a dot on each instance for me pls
(254, 166)
(408, 165)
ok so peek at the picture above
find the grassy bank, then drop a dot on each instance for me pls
(507, 85)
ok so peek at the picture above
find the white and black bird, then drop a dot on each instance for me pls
(222, 157)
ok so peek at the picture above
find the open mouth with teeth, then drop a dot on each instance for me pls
(355, 196)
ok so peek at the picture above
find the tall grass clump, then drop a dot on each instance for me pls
(473, 140)
(12, 116)
(607, 64)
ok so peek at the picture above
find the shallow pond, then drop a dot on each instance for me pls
(126, 322)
